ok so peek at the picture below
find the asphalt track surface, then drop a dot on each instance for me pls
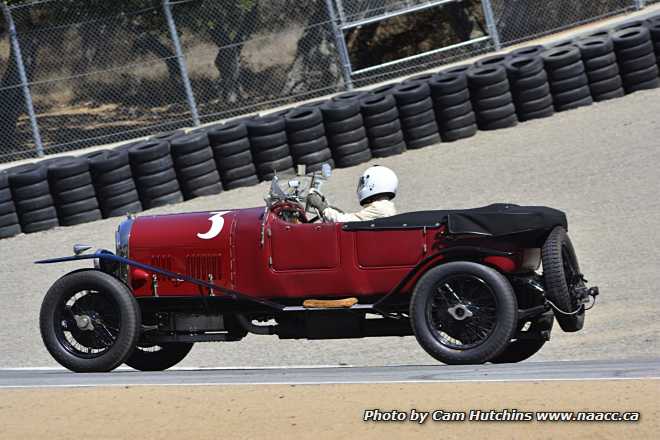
(599, 164)
(530, 371)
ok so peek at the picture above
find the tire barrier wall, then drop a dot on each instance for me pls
(495, 92)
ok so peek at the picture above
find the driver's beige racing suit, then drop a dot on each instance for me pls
(370, 211)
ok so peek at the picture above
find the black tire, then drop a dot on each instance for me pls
(27, 174)
(154, 179)
(458, 133)
(385, 141)
(167, 199)
(375, 104)
(340, 109)
(157, 191)
(317, 157)
(81, 217)
(351, 123)
(353, 159)
(381, 118)
(386, 90)
(266, 142)
(158, 357)
(595, 47)
(421, 142)
(444, 84)
(458, 122)
(618, 93)
(560, 57)
(302, 118)
(570, 96)
(194, 158)
(492, 60)
(352, 148)
(188, 143)
(226, 133)
(414, 108)
(603, 73)
(490, 90)
(146, 151)
(634, 51)
(384, 129)
(421, 131)
(7, 207)
(117, 175)
(8, 219)
(266, 170)
(39, 226)
(485, 76)
(528, 51)
(640, 76)
(27, 205)
(271, 154)
(74, 195)
(240, 183)
(118, 312)
(347, 137)
(74, 208)
(422, 77)
(531, 81)
(390, 150)
(30, 191)
(639, 63)
(568, 84)
(537, 114)
(10, 231)
(238, 173)
(534, 105)
(409, 93)
(531, 94)
(266, 125)
(500, 325)
(600, 62)
(630, 37)
(560, 272)
(306, 135)
(454, 111)
(565, 72)
(645, 85)
(496, 113)
(231, 148)
(234, 161)
(304, 148)
(67, 167)
(193, 171)
(496, 124)
(419, 119)
(604, 86)
(523, 66)
(492, 102)
(103, 192)
(451, 99)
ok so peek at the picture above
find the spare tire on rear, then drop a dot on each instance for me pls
(561, 274)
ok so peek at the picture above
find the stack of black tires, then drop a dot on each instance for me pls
(9, 224)
(345, 130)
(306, 136)
(153, 170)
(491, 97)
(381, 122)
(270, 148)
(636, 57)
(194, 165)
(654, 29)
(568, 79)
(530, 87)
(601, 67)
(233, 155)
(113, 180)
(415, 106)
(453, 107)
(73, 192)
(31, 196)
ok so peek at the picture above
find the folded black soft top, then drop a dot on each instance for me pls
(493, 220)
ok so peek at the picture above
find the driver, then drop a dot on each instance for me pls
(376, 189)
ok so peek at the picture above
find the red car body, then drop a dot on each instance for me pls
(271, 258)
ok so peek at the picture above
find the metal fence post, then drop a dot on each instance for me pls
(490, 23)
(640, 4)
(340, 42)
(183, 68)
(16, 47)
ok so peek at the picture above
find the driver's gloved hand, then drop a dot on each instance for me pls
(316, 200)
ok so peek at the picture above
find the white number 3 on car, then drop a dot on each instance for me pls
(217, 222)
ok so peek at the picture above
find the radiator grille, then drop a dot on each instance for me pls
(162, 261)
(200, 266)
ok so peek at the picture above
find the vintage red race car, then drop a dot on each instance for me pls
(465, 283)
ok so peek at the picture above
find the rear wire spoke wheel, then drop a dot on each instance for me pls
(463, 313)
(158, 357)
(561, 276)
(89, 321)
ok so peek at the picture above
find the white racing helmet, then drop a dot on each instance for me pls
(377, 180)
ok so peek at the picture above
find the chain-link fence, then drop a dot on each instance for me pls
(77, 73)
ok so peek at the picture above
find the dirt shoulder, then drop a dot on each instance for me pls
(323, 411)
